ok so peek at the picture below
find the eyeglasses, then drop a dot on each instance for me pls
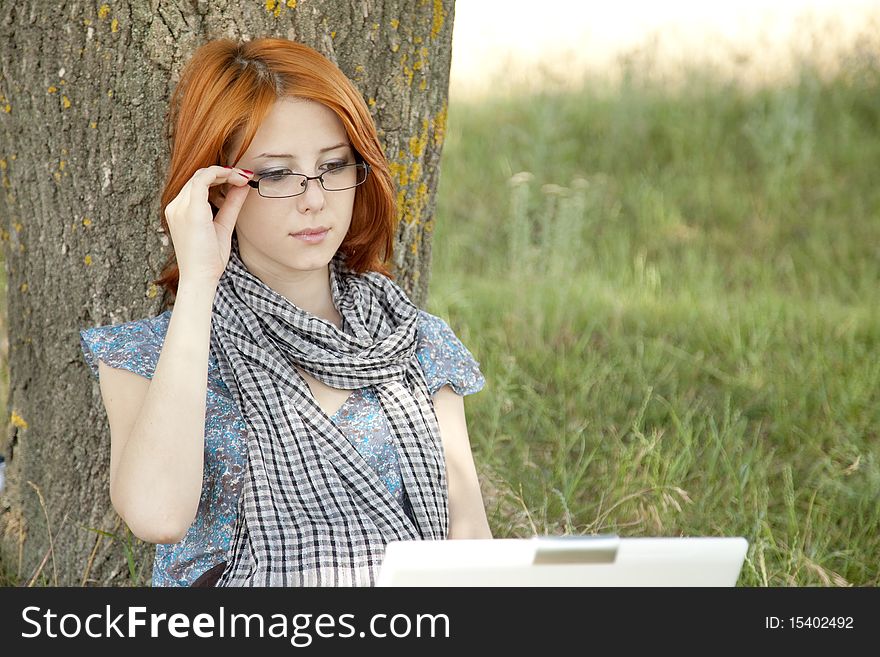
(284, 184)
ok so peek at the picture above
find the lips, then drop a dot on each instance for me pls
(311, 231)
(312, 235)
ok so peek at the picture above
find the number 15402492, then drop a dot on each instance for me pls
(809, 622)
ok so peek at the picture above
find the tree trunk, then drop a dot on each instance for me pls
(83, 92)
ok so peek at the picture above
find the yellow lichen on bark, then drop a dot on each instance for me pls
(417, 143)
(398, 171)
(439, 19)
(274, 7)
(18, 421)
(440, 125)
(407, 71)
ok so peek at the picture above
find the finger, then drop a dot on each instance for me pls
(241, 179)
(235, 198)
(198, 187)
(216, 174)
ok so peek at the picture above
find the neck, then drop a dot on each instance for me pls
(308, 290)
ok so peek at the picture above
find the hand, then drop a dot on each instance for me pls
(202, 242)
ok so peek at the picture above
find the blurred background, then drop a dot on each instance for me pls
(516, 44)
(658, 230)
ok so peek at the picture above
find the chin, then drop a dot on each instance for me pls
(311, 261)
(291, 254)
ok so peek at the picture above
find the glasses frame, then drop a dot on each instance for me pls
(320, 178)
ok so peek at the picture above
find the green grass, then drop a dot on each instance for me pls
(676, 312)
(675, 308)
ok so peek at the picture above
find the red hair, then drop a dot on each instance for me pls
(227, 88)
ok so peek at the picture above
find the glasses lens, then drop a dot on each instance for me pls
(345, 177)
(279, 185)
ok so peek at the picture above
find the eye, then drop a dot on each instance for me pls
(329, 166)
(274, 175)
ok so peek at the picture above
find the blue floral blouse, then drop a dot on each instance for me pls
(135, 346)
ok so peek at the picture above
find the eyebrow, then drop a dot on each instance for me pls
(288, 155)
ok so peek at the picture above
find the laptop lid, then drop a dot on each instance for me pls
(603, 560)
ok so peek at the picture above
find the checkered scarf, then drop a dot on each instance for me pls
(312, 512)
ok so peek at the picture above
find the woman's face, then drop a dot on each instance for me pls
(298, 136)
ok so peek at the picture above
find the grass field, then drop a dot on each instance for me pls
(673, 293)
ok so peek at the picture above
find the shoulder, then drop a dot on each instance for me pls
(444, 358)
(134, 346)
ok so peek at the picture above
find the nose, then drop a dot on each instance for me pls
(311, 200)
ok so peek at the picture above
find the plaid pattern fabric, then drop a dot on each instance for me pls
(312, 512)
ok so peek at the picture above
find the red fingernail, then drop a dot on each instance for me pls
(250, 173)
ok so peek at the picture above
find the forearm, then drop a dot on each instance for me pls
(467, 516)
(158, 478)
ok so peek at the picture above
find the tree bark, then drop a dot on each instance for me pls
(83, 92)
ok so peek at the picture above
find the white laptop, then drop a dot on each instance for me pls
(603, 560)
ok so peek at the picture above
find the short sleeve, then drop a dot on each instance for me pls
(133, 346)
(444, 359)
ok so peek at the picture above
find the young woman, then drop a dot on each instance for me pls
(294, 411)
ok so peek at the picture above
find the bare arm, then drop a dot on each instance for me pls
(467, 514)
(157, 426)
